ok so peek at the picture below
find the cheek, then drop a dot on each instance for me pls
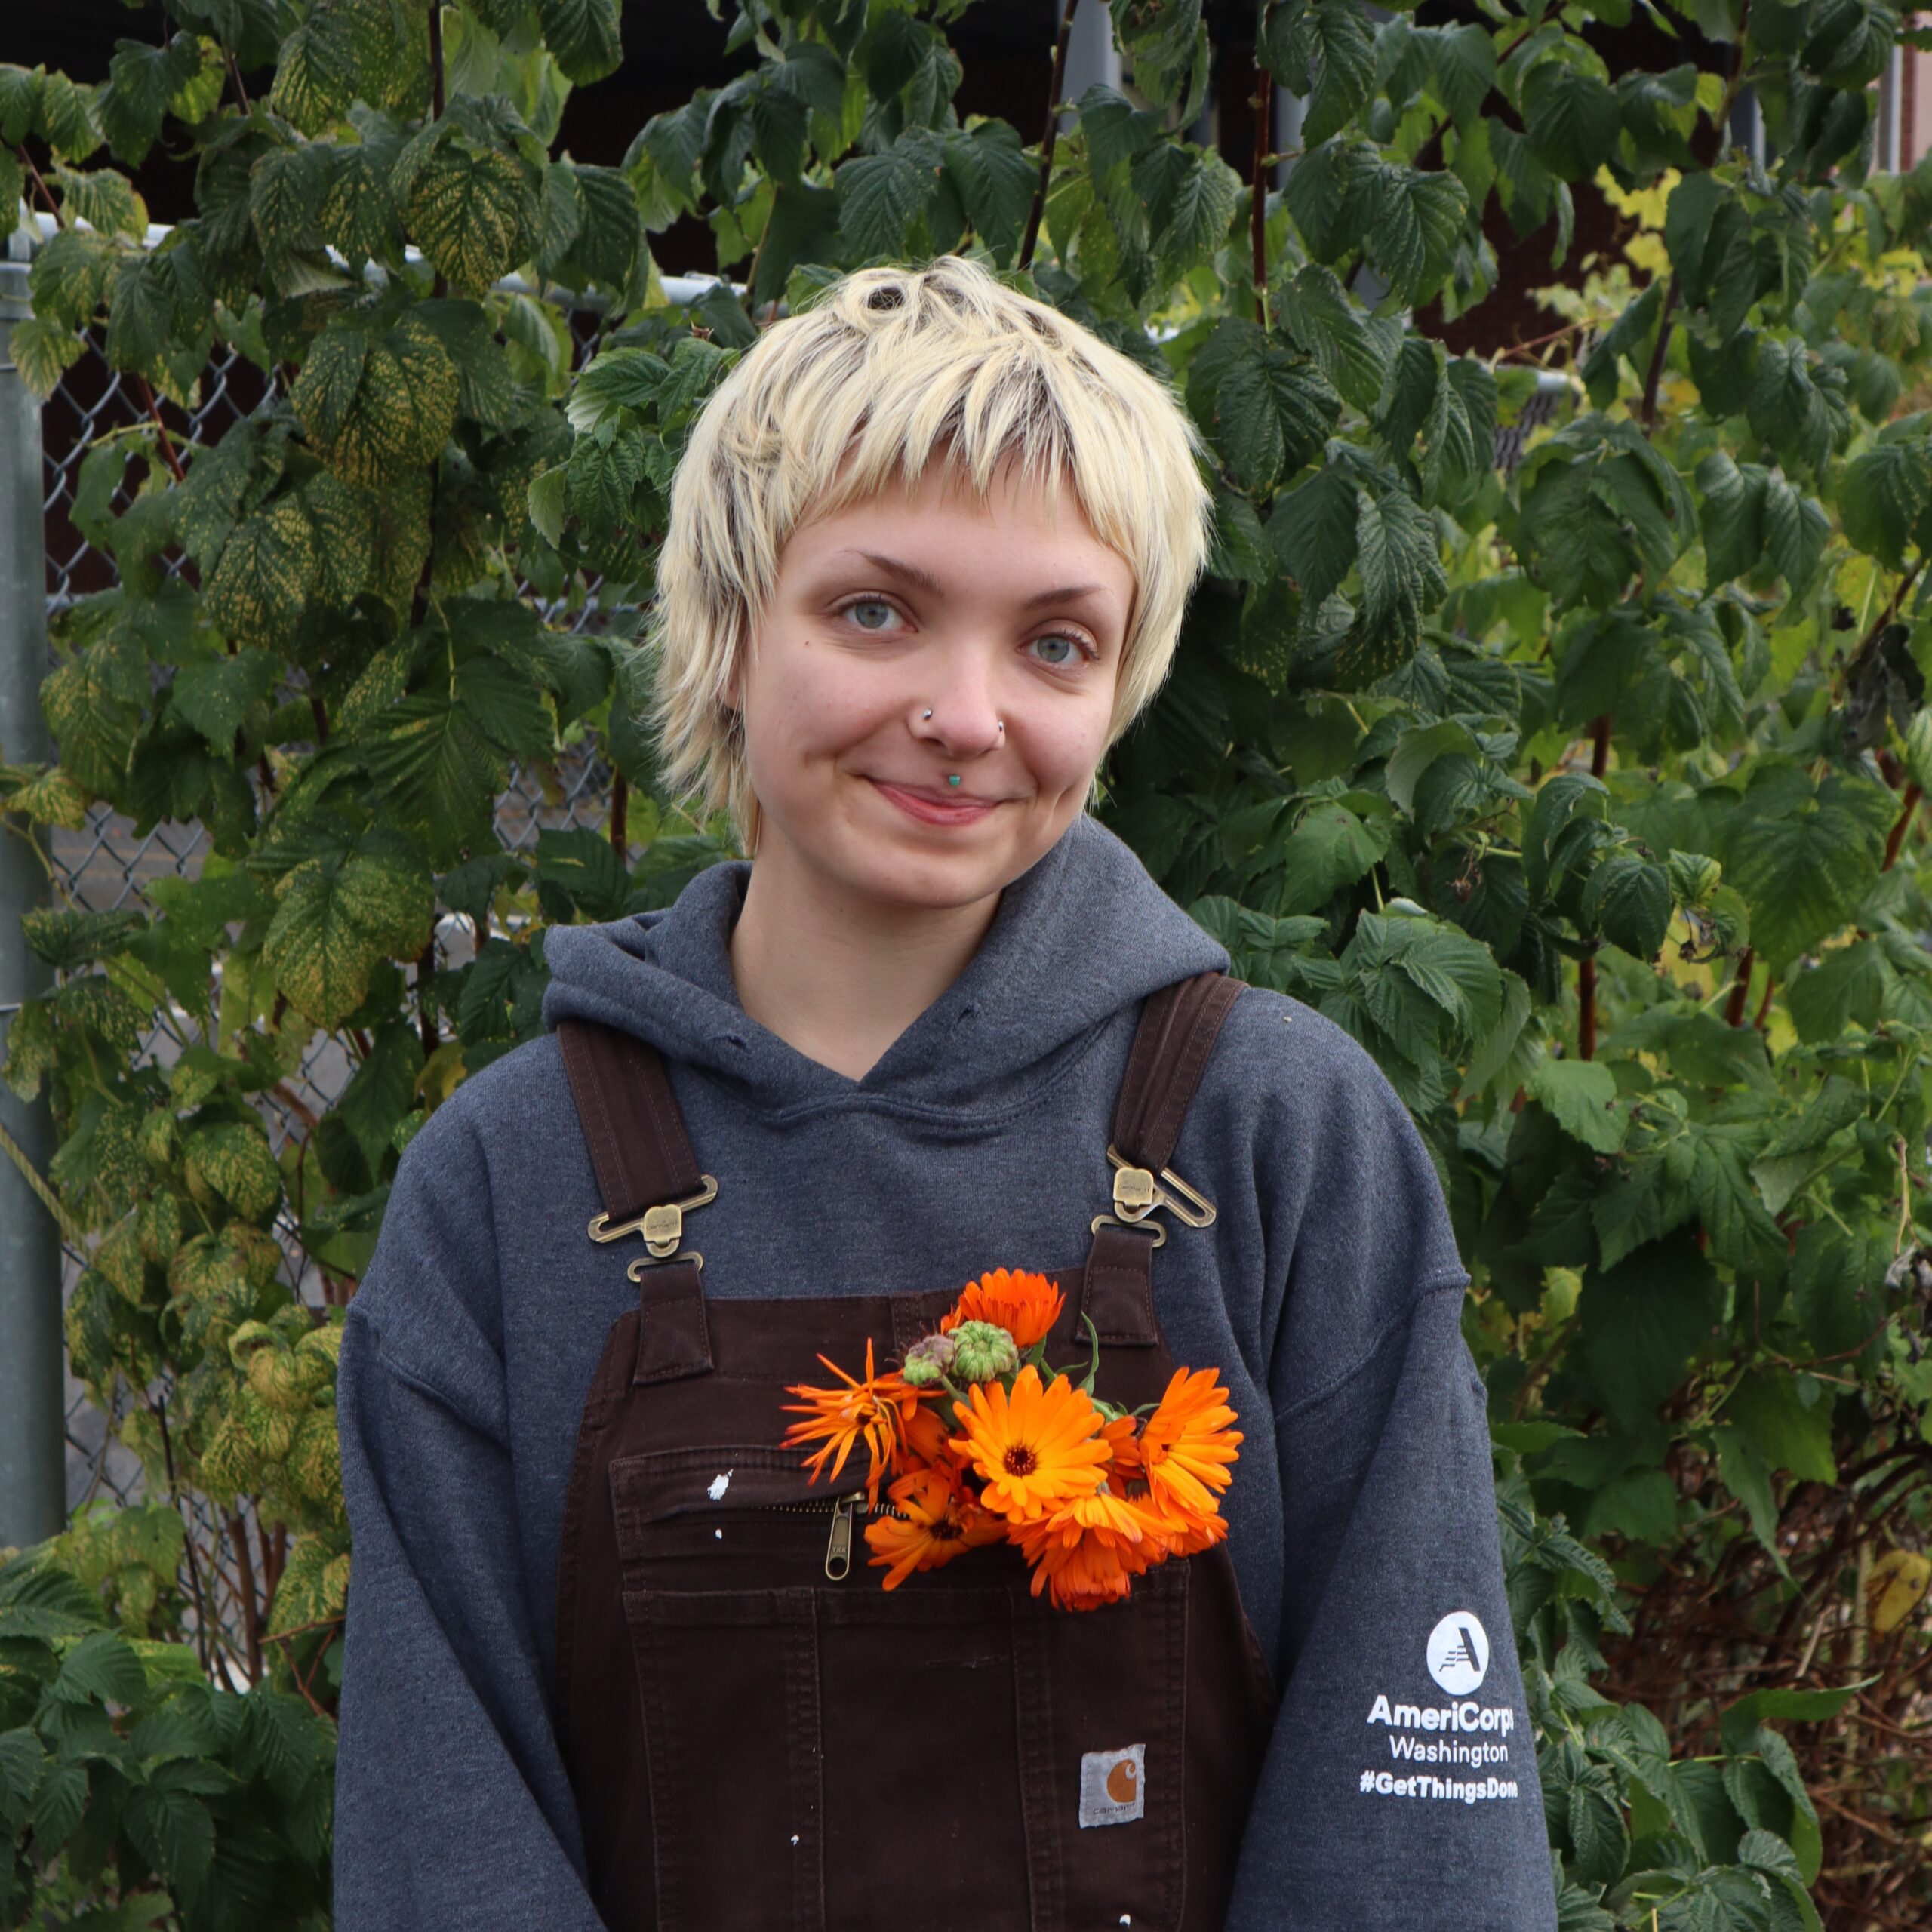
(807, 699)
(1063, 747)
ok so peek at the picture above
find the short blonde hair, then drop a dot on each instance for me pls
(891, 369)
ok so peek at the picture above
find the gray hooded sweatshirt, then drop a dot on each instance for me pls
(1400, 1788)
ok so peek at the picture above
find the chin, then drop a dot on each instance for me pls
(930, 881)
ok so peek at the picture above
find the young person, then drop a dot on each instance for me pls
(928, 556)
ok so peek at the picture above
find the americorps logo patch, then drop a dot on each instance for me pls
(1458, 1653)
(1457, 1740)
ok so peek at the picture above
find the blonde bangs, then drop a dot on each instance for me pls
(889, 371)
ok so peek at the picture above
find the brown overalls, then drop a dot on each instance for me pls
(759, 1737)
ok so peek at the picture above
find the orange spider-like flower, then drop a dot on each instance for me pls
(874, 1410)
(1036, 1449)
(937, 1521)
(1187, 1445)
(1025, 1305)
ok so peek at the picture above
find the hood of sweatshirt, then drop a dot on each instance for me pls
(1085, 932)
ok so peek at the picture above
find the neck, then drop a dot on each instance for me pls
(838, 976)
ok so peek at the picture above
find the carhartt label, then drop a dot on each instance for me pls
(1113, 1786)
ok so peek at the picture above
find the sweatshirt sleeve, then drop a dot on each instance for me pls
(452, 1806)
(1400, 1786)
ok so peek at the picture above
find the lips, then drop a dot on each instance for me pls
(930, 806)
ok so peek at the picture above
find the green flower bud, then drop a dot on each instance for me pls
(928, 1361)
(983, 1351)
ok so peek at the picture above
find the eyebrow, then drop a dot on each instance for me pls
(911, 573)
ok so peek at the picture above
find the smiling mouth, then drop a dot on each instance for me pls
(930, 806)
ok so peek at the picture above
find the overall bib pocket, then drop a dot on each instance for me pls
(826, 1754)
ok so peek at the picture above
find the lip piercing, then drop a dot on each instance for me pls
(953, 778)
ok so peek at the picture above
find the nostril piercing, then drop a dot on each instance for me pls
(928, 713)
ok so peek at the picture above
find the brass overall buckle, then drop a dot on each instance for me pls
(662, 1227)
(1137, 1194)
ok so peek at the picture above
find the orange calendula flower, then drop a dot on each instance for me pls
(925, 1432)
(1036, 1449)
(1187, 1445)
(873, 1411)
(1088, 1552)
(1025, 1305)
(936, 1522)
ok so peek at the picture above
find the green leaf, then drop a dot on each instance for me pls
(1326, 324)
(1572, 118)
(1581, 1094)
(1328, 49)
(100, 1669)
(584, 36)
(1786, 407)
(339, 915)
(1396, 552)
(1740, 1722)
(92, 706)
(43, 352)
(1881, 495)
(1273, 410)
(1330, 848)
(1845, 988)
(1465, 71)
(141, 82)
(1734, 516)
(57, 1806)
(1788, 1435)
(995, 180)
(1415, 750)
(881, 195)
(104, 200)
(173, 1830)
(1796, 531)
(1414, 221)
(1744, 1473)
(216, 695)
(1804, 860)
(1312, 532)
(1643, 1320)
(1629, 899)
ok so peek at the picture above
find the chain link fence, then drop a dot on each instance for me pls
(108, 863)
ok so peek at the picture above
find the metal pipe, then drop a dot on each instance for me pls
(33, 1431)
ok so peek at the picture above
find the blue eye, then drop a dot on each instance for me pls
(1056, 650)
(873, 604)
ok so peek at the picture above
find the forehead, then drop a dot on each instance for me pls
(1034, 520)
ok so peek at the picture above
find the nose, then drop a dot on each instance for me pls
(959, 717)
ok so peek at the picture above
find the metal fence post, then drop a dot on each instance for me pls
(32, 1438)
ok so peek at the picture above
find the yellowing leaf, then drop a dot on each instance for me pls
(375, 408)
(1899, 1581)
(466, 210)
(340, 915)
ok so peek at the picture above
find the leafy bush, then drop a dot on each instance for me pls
(1583, 794)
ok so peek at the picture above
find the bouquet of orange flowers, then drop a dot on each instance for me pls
(976, 1440)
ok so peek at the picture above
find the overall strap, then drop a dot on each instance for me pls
(1179, 1025)
(646, 1176)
